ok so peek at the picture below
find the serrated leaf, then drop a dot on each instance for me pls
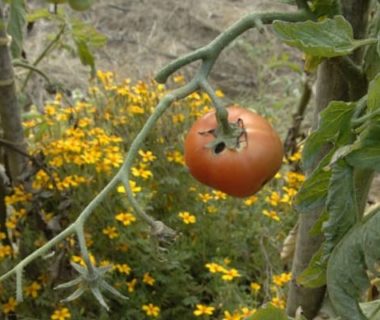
(328, 38)
(269, 312)
(314, 276)
(347, 276)
(85, 32)
(334, 129)
(365, 152)
(341, 205)
(16, 24)
(313, 192)
(374, 94)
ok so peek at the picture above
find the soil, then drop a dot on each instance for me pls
(145, 35)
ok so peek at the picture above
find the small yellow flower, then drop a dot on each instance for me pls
(187, 218)
(9, 306)
(148, 279)
(214, 267)
(274, 199)
(271, 214)
(176, 157)
(212, 209)
(133, 186)
(230, 274)
(33, 289)
(202, 309)
(233, 316)
(125, 218)
(151, 310)
(278, 302)
(255, 287)
(61, 314)
(250, 201)
(205, 197)
(219, 195)
(111, 232)
(131, 285)
(147, 156)
(281, 279)
(123, 268)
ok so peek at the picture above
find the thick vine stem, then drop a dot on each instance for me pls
(211, 51)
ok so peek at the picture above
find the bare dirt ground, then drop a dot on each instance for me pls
(145, 35)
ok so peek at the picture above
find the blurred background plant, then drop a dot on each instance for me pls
(225, 262)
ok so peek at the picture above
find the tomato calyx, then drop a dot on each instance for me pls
(233, 139)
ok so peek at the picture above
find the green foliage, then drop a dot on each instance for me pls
(269, 312)
(346, 271)
(328, 38)
(17, 19)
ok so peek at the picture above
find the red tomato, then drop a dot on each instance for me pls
(239, 172)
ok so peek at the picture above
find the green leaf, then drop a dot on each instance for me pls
(372, 54)
(84, 32)
(85, 55)
(334, 129)
(314, 276)
(313, 192)
(365, 152)
(341, 205)
(268, 312)
(374, 94)
(328, 38)
(39, 14)
(357, 253)
(371, 309)
(16, 24)
(325, 7)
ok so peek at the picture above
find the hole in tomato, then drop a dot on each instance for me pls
(219, 147)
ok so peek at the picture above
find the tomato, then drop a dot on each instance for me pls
(240, 171)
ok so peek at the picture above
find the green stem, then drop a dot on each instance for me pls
(32, 68)
(221, 111)
(212, 50)
(43, 54)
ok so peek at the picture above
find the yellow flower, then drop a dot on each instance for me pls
(282, 278)
(148, 279)
(278, 302)
(179, 79)
(131, 285)
(178, 118)
(205, 197)
(271, 214)
(123, 268)
(202, 309)
(255, 287)
(214, 267)
(187, 218)
(176, 157)
(125, 218)
(151, 310)
(134, 109)
(250, 201)
(79, 260)
(61, 314)
(219, 195)
(273, 199)
(147, 156)
(230, 274)
(5, 251)
(111, 232)
(133, 186)
(33, 289)
(141, 172)
(9, 306)
(211, 209)
(229, 316)
(245, 312)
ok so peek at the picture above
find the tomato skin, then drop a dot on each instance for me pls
(239, 173)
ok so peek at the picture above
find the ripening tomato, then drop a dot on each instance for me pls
(239, 171)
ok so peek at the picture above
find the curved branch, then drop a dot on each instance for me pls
(211, 51)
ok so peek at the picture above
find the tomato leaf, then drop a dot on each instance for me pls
(16, 24)
(268, 312)
(334, 129)
(365, 152)
(328, 38)
(372, 54)
(341, 205)
(314, 276)
(325, 7)
(313, 192)
(357, 253)
(374, 94)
